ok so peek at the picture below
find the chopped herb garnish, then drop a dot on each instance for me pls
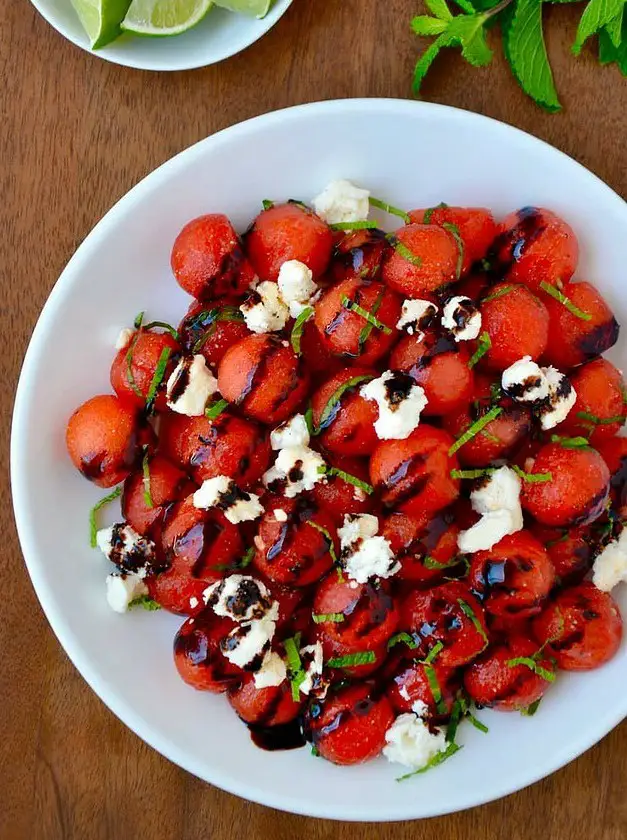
(145, 602)
(349, 304)
(531, 663)
(475, 428)
(314, 750)
(600, 421)
(426, 219)
(351, 479)
(436, 691)
(477, 723)
(299, 326)
(340, 575)
(470, 613)
(571, 442)
(431, 563)
(454, 231)
(330, 618)
(437, 759)
(309, 420)
(530, 710)
(402, 638)
(158, 375)
(210, 318)
(327, 537)
(365, 224)
(93, 525)
(365, 657)
(532, 478)
(388, 208)
(364, 335)
(146, 481)
(216, 409)
(479, 473)
(328, 411)
(495, 295)
(433, 654)
(565, 301)
(403, 250)
(295, 672)
(247, 558)
(456, 715)
(164, 326)
(267, 204)
(482, 348)
(137, 323)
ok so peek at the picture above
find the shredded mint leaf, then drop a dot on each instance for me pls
(146, 481)
(526, 53)
(434, 762)
(532, 709)
(475, 428)
(597, 14)
(145, 602)
(327, 536)
(365, 657)
(402, 638)
(331, 618)
(93, 523)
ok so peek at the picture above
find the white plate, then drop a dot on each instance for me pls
(412, 154)
(220, 35)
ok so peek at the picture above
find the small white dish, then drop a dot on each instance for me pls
(411, 154)
(219, 35)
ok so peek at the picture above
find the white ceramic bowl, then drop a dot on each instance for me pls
(412, 154)
(220, 35)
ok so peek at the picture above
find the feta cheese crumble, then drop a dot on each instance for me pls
(280, 515)
(292, 433)
(561, 398)
(498, 502)
(124, 338)
(312, 662)
(265, 311)
(296, 286)
(124, 588)
(341, 201)
(273, 671)
(364, 554)
(410, 742)
(524, 381)
(190, 385)
(416, 315)
(297, 469)
(222, 492)
(239, 597)
(610, 567)
(400, 401)
(462, 318)
(130, 551)
(247, 644)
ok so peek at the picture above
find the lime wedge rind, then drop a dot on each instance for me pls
(251, 8)
(164, 18)
(101, 19)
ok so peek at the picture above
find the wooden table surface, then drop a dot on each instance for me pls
(76, 133)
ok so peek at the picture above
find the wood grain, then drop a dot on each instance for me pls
(76, 134)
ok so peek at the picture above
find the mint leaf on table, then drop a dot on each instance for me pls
(615, 28)
(597, 14)
(464, 30)
(609, 54)
(526, 52)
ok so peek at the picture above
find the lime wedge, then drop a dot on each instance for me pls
(101, 19)
(164, 17)
(254, 8)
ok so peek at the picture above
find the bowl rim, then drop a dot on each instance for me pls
(601, 724)
(273, 17)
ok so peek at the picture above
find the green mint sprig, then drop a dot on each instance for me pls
(521, 24)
